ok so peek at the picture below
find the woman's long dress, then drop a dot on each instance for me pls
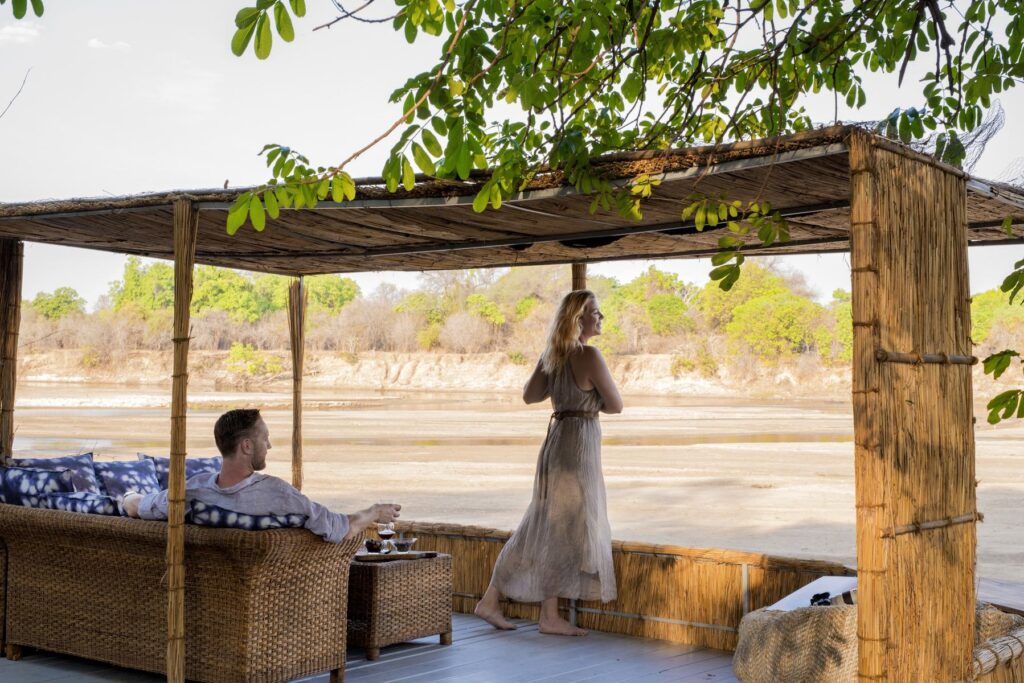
(563, 545)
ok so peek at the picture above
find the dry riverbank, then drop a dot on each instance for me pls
(655, 375)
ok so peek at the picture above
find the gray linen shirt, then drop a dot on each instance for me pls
(257, 494)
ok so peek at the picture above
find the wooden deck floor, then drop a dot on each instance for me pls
(478, 654)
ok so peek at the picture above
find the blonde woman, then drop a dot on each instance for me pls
(562, 547)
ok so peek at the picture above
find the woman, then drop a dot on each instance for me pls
(562, 547)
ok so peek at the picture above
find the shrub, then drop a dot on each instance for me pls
(774, 326)
(518, 358)
(245, 361)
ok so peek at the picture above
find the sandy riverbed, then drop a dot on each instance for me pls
(766, 476)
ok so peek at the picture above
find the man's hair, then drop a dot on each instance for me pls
(232, 427)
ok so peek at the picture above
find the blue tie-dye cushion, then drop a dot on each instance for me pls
(28, 486)
(205, 514)
(83, 474)
(130, 475)
(89, 503)
(193, 466)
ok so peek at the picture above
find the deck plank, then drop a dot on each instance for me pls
(478, 654)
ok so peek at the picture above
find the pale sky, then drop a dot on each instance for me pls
(127, 97)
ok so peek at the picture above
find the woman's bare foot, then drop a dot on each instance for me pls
(494, 617)
(560, 627)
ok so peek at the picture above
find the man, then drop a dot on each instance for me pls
(243, 439)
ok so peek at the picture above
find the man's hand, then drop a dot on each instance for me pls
(130, 503)
(386, 512)
(381, 513)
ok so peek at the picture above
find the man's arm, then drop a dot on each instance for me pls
(148, 506)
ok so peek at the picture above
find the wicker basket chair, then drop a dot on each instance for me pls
(819, 645)
(260, 606)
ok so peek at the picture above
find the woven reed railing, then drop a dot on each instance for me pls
(1000, 660)
(687, 595)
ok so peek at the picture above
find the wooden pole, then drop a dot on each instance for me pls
(913, 433)
(579, 276)
(186, 224)
(297, 296)
(12, 254)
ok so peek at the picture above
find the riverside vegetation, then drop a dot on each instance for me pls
(766, 324)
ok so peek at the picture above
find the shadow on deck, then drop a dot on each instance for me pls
(478, 654)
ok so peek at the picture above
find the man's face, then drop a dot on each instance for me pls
(260, 445)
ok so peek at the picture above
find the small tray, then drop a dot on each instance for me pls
(391, 557)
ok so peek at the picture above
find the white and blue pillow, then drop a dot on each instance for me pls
(130, 475)
(193, 466)
(28, 486)
(206, 514)
(88, 503)
(83, 474)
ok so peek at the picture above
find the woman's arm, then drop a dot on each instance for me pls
(596, 370)
(536, 389)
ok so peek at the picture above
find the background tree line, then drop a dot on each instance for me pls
(766, 319)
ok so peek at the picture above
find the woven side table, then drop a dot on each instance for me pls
(392, 602)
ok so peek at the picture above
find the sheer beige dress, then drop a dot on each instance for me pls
(563, 544)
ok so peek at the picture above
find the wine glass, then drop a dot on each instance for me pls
(386, 531)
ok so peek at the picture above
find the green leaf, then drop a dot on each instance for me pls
(19, 7)
(408, 175)
(37, 7)
(462, 161)
(256, 214)
(284, 23)
(496, 196)
(1004, 406)
(431, 143)
(241, 39)
(271, 201)
(264, 38)
(390, 174)
(323, 188)
(1008, 226)
(298, 7)
(238, 212)
(348, 186)
(997, 363)
(481, 198)
(246, 16)
(422, 159)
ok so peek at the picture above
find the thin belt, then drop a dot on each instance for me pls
(561, 414)
(556, 416)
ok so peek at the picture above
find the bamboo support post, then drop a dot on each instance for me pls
(883, 356)
(186, 224)
(297, 296)
(12, 263)
(579, 276)
(914, 441)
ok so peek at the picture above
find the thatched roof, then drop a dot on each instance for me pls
(433, 227)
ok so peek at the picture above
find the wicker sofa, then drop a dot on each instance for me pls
(259, 606)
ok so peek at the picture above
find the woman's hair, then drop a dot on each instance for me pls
(565, 330)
